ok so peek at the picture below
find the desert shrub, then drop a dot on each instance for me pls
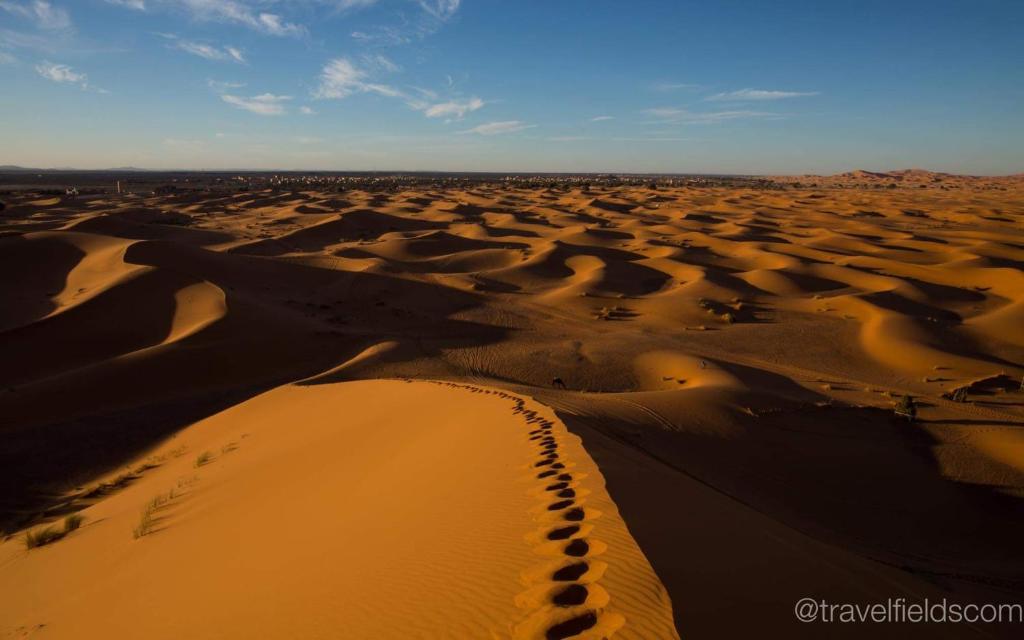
(39, 537)
(72, 522)
(146, 518)
(145, 525)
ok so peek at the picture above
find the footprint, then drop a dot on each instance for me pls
(563, 533)
(561, 504)
(574, 594)
(572, 627)
(574, 515)
(571, 572)
(577, 548)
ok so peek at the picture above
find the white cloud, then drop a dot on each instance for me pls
(210, 52)
(266, 104)
(453, 109)
(682, 116)
(341, 78)
(236, 12)
(138, 5)
(222, 86)
(744, 95)
(306, 111)
(60, 73)
(273, 25)
(41, 13)
(236, 54)
(440, 9)
(6, 58)
(495, 128)
(435, 14)
(381, 63)
(601, 118)
(64, 74)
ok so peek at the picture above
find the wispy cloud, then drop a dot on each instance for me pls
(440, 9)
(210, 52)
(221, 86)
(601, 118)
(756, 95)
(683, 116)
(495, 128)
(435, 14)
(453, 109)
(341, 77)
(274, 25)
(6, 58)
(232, 12)
(266, 104)
(64, 74)
(40, 13)
(306, 111)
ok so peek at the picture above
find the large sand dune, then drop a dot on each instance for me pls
(730, 359)
(359, 510)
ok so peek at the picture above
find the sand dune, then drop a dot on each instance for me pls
(730, 358)
(321, 529)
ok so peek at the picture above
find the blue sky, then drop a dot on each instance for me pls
(731, 86)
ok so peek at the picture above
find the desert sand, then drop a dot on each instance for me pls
(372, 375)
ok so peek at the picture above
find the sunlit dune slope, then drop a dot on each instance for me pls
(364, 510)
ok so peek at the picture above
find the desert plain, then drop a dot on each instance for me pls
(510, 411)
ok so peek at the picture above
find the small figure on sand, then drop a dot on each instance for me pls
(907, 408)
(558, 383)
